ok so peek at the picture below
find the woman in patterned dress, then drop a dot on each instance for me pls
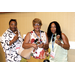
(38, 40)
(11, 42)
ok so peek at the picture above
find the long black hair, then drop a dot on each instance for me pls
(58, 30)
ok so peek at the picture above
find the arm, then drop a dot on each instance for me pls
(5, 41)
(14, 39)
(26, 43)
(46, 45)
(65, 41)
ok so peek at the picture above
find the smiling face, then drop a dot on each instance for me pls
(13, 26)
(53, 28)
(37, 26)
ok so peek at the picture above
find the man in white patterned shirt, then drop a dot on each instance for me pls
(11, 42)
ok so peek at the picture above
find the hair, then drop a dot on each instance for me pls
(13, 20)
(58, 30)
(46, 60)
(37, 20)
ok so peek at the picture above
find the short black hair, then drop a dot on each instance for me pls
(46, 60)
(13, 20)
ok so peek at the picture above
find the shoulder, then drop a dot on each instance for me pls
(31, 32)
(63, 35)
(28, 34)
(42, 31)
(18, 30)
(5, 33)
(27, 37)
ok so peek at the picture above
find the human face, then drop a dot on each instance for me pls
(37, 27)
(53, 28)
(13, 26)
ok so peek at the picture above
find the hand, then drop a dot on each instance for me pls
(16, 36)
(57, 37)
(47, 53)
(41, 45)
(35, 46)
(16, 32)
(14, 39)
(58, 42)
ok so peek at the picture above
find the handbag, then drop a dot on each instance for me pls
(25, 53)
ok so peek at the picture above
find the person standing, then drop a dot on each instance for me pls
(11, 42)
(38, 40)
(58, 43)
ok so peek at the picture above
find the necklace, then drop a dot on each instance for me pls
(38, 36)
(53, 41)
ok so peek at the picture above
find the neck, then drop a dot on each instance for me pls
(54, 33)
(37, 31)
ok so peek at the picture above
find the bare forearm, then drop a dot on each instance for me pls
(27, 45)
(46, 46)
(13, 40)
(65, 46)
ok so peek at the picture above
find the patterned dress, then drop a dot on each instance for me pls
(11, 50)
(40, 52)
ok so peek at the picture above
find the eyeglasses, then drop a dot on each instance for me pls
(53, 38)
(36, 24)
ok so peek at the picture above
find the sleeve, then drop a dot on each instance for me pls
(20, 38)
(19, 42)
(5, 42)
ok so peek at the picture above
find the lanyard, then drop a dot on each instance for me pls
(37, 35)
(53, 43)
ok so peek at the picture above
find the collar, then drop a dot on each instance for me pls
(9, 30)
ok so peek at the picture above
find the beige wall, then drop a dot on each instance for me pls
(24, 19)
